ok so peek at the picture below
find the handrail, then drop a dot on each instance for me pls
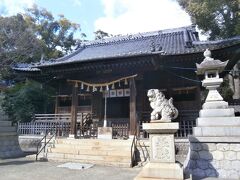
(45, 144)
(133, 149)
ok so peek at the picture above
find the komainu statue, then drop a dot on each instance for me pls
(161, 106)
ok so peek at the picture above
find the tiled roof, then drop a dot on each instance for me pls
(166, 42)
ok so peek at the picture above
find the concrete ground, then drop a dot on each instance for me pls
(26, 169)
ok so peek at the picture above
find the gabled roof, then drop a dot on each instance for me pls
(176, 41)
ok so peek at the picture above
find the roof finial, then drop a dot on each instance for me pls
(207, 54)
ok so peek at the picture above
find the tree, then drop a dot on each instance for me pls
(23, 100)
(57, 36)
(18, 43)
(218, 18)
(99, 34)
(27, 37)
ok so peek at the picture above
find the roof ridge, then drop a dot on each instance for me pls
(135, 36)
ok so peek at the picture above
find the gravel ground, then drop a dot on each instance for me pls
(26, 169)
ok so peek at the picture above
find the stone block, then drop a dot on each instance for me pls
(216, 113)
(161, 128)
(226, 164)
(234, 147)
(209, 146)
(218, 155)
(232, 174)
(222, 173)
(215, 105)
(194, 155)
(161, 171)
(192, 164)
(215, 164)
(218, 121)
(212, 139)
(230, 155)
(223, 147)
(198, 173)
(236, 165)
(202, 164)
(238, 155)
(196, 146)
(162, 148)
(216, 131)
(105, 133)
(206, 155)
(211, 173)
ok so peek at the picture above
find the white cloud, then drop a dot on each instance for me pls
(133, 16)
(12, 7)
(77, 2)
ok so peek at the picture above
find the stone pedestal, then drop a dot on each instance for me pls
(162, 163)
(105, 133)
(215, 144)
(9, 145)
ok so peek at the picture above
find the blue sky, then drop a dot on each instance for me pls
(112, 16)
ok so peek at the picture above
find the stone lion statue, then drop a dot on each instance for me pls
(161, 106)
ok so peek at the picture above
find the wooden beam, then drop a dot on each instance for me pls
(132, 105)
(74, 110)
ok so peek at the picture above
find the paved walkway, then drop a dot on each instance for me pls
(26, 169)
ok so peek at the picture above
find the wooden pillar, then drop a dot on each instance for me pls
(132, 105)
(56, 104)
(74, 110)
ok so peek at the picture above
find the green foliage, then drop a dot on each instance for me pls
(29, 36)
(99, 34)
(18, 43)
(218, 18)
(225, 90)
(24, 100)
(57, 36)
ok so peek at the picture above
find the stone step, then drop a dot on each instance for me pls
(93, 147)
(229, 112)
(8, 129)
(216, 131)
(69, 150)
(5, 123)
(218, 121)
(94, 142)
(89, 158)
(102, 163)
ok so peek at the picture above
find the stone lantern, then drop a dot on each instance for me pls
(211, 68)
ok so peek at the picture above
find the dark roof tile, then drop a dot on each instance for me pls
(166, 42)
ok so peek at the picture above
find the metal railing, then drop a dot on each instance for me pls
(40, 128)
(134, 149)
(120, 130)
(43, 147)
(61, 117)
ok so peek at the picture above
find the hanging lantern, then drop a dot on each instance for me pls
(125, 82)
(82, 86)
(101, 89)
(87, 89)
(107, 87)
(76, 84)
(113, 86)
(119, 83)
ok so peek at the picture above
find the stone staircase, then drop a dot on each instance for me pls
(96, 151)
(9, 146)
